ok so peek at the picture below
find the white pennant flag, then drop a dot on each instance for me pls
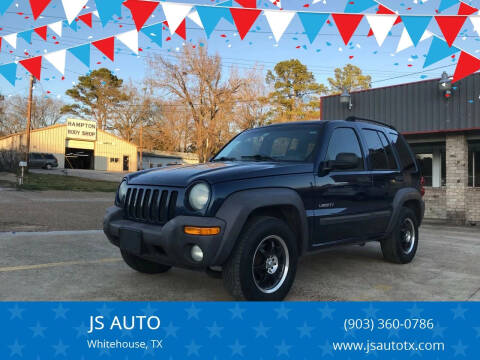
(57, 27)
(175, 14)
(130, 40)
(57, 59)
(278, 21)
(276, 3)
(475, 19)
(195, 18)
(11, 39)
(406, 42)
(72, 8)
(381, 25)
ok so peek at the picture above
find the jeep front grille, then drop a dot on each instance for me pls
(150, 204)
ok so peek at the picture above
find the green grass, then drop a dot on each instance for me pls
(41, 182)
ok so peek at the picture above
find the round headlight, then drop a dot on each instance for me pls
(122, 192)
(199, 195)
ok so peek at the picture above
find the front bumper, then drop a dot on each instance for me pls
(167, 244)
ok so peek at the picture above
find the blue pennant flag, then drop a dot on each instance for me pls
(228, 15)
(439, 50)
(4, 5)
(26, 35)
(82, 53)
(211, 16)
(312, 23)
(358, 6)
(445, 4)
(154, 32)
(9, 72)
(72, 26)
(107, 8)
(416, 26)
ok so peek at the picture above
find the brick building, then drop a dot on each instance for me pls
(441, 121)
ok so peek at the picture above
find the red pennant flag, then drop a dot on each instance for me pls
(450, 26)
(33, 65)
(385, 11)
(38, 6)
(248, 3)
(141, 11)
(466, 9)
(181, 30)
(87, 19)
(106, 46)
(42, 32)
(467, 64)
(0, 44)
(347, 24)
(244, 19)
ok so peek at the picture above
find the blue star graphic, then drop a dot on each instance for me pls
(282, 312)
(326, 349)
(60, 348)
(305, 330)
(16, 349)
(261, 330)
(193, 311)
(237, 312)
(215, 330)
(148, 351)
(192, 349)
(105, 311)
(82, 330)
(415, 311)
(237, 348)
(149, 310)
(125, 333)
(438, 330)
(16, 312)
(393, 332)
(60, 312)
(327, 312)
(283, 349)
(459, 312)
(477, 329)
(371, 311)
(38, 330)
(171, 330)
(104, 351)
(459, 349)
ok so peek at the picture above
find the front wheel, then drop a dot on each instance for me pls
(263, 263)
(142, 265)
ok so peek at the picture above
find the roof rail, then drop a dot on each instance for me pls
(356, 118)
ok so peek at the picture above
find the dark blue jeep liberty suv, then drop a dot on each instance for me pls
(271, 195)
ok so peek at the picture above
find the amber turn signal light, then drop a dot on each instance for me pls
(193, 230)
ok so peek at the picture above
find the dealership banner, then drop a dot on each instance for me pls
(224, 330)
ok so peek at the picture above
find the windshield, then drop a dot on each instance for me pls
(272, 144)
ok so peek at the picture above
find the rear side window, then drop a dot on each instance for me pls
(376, 151)
(344, 140)
(407, 162)
(392, 163)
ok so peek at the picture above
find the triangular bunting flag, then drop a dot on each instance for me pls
(450, 26)
(26, 35)
(381, 26)
(312, 23)
(278, 21)
(107, 8)
(72, 26)
(196, 18)
(9, 72)
(42, 32)
(229, 4)
(182, 30)
(416, 26)
(141, 11)
(211, 16)
(38, 6)
(175, 14)
(248, 3)
(72, 8)
(82, 53)
(0, 44)
(385, 11)
(439, 50)
(4, 5)
(347, 24)
(244, 19)
(467, 65)
(154, 32)
(86, 19)
(466, 9)
(11, 39)
(57, 59)
(359, 6)
(476, 23)
(130, 40)
(106, 46)
(445, 4)
(33, 65)
(57, 27)
(405, 41)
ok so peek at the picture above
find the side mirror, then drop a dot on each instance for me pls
(343, 161)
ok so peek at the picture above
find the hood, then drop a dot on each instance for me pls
(214, 172)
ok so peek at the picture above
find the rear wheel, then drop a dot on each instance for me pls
(142, 265)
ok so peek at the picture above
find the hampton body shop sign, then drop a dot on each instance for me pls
(81, 129)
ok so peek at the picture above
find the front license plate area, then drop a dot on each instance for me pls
(131, 241)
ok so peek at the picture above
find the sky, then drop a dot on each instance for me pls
(259, 47)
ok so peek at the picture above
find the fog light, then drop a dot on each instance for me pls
(196, 253)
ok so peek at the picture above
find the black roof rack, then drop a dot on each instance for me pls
(356, 118)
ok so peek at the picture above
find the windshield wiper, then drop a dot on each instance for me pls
(258, 157)
(224, 158)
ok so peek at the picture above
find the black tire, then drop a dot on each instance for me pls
(238, 272)
(396, 248)
(142, 265)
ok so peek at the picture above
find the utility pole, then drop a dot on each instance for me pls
(29, 118)
(141, 147)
